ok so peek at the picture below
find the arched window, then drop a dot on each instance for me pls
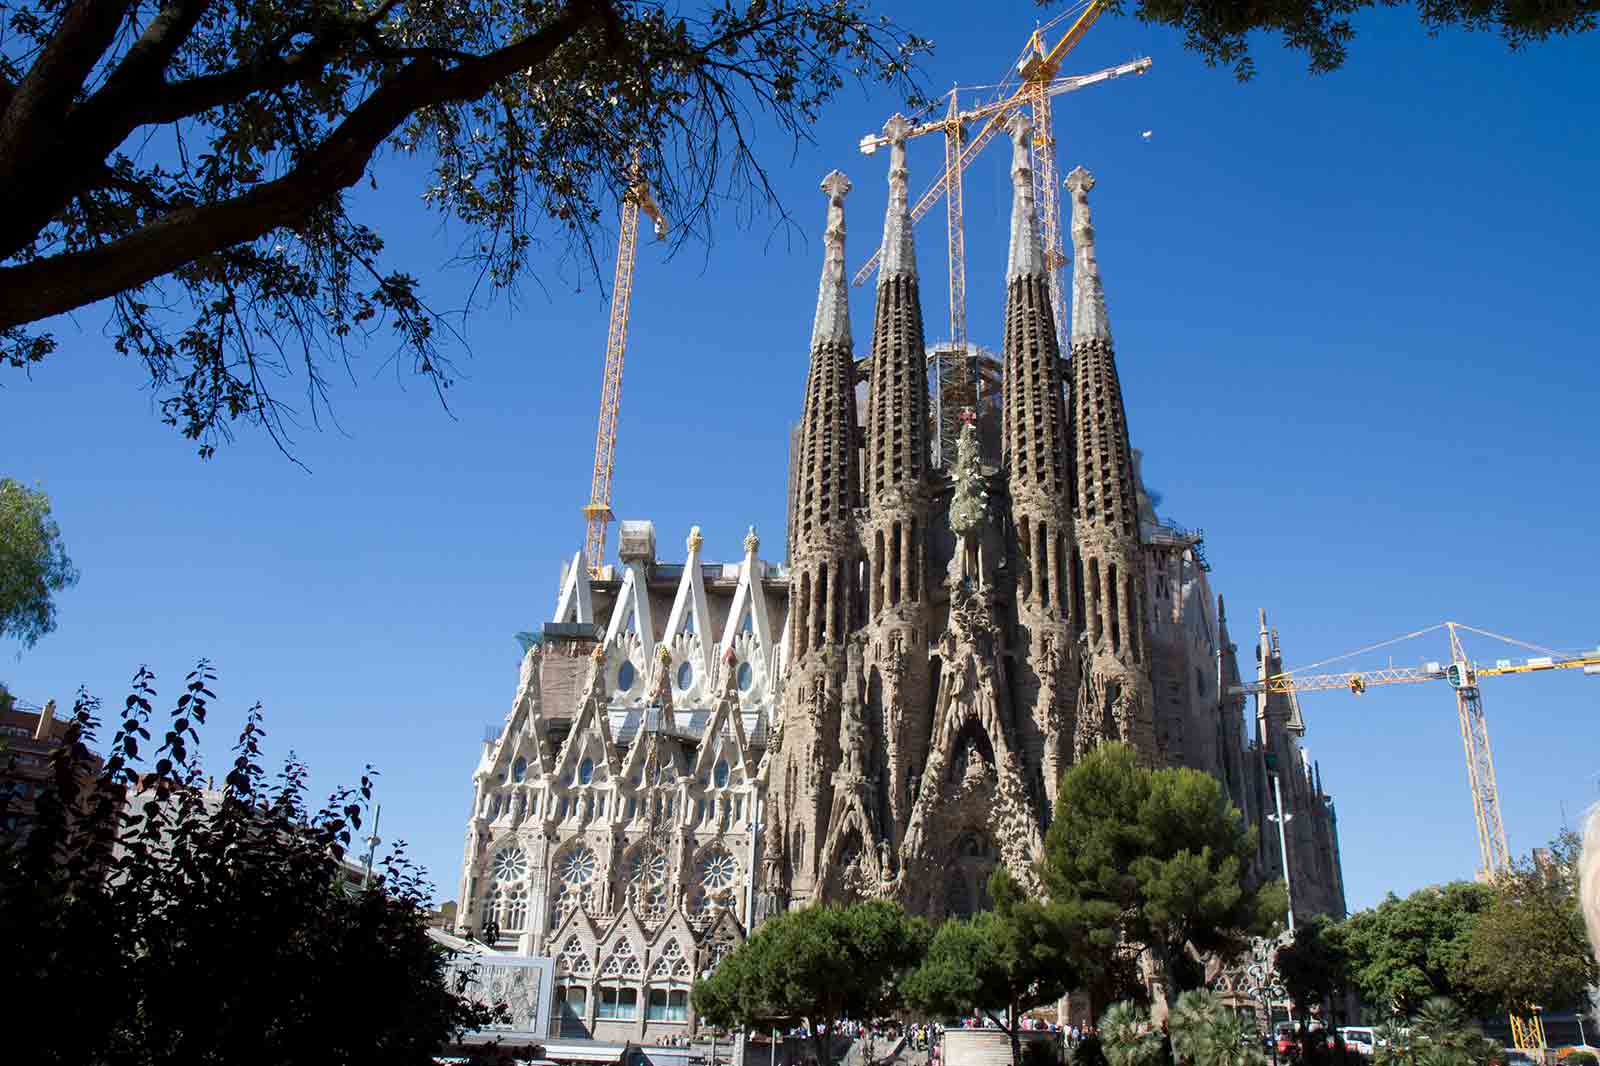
(574, 880)
(685, 675)
(625, 677)
(720, 774)
(514, 916)
(745, 676)
(585, 771)
(519, 770)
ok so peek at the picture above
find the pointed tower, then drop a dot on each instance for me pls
(823, 570)
(1038, 473)
(1108, 578)
(898, 504)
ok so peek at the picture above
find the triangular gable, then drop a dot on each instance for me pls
(625, 929)
(690, 615)
(591, 729)
(570, 944)
(781, 659)
(672, 959)
(725, 718)
(623, 960)
(749, 602)
(676, 925)
(632, 611)
(576, 602)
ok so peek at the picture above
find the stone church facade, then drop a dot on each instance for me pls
(695, 746)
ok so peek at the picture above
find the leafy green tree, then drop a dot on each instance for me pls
(1219, 31)
(164, 925)
(1312, 968)
(1200, 1031)
(1015, 957)
(1404, 951)
(1529, 946)
(1129, 1037)
(33, 563)
(191, 161)
(1157, 858)
(1439, 1034)
(816, 965)
(1231, 1041)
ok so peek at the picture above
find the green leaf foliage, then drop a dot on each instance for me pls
(165, 923)
(33, 564)
(1020, 955)
(1220, 31)
(1439, 1034)
(1402, 952)
(191, 165)
(816, 964)
(1312, 968)
(1153, 857)
(1529, 946)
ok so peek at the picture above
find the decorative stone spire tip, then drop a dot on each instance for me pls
(751, 542)
(899, 250)
(832, 324)
(1089, 318)
(696, 541)
(1027, 255)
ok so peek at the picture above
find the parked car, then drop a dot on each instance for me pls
(1359, 1039)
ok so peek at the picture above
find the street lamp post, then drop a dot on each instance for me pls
(1283, 839)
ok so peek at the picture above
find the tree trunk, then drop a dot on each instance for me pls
(1016, 1037)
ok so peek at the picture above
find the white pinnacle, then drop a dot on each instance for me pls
(899, 251)
(1089, 319)
(1027, 257)
(832, 324)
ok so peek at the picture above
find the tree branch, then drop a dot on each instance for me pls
(61, 283)
(30, 125)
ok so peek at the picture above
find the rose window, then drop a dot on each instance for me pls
(576, 867)
(718, 870)
(647, 868)
(509, 864)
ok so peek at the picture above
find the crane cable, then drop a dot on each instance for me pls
(1396, 640)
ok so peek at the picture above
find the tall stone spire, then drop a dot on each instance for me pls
(832, 322)
(1115, 614)
(899, 256)
(1089, 319)
(898, 502)
(1039, 481)
(825, 554)
(1027, 253)
(827, 485)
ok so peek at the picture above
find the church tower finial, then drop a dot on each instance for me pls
(832, 323)
(1027, 254)
(899, 252)
(1089, 320)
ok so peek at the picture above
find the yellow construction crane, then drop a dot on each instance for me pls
(598, 511)
(1038, 69)
(1463, 675)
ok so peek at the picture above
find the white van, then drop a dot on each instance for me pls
(1360, 1039)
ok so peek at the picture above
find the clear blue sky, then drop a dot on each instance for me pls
(1355, 321)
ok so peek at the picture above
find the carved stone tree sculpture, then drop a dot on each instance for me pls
(969, 506)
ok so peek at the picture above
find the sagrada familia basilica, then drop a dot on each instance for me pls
(694, 746)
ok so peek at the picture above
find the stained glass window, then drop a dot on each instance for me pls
(509, 864)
